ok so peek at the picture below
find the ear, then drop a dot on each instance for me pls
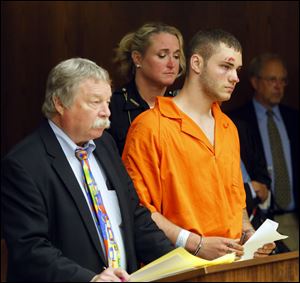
(196, 63)
(136, 58)
(254, 82)
(58, 105)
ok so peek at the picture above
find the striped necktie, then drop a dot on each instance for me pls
(282, 185)
(102, 220)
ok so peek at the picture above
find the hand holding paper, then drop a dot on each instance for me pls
(176, 261)
(265, 234)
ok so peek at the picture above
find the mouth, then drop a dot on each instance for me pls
(229, 88)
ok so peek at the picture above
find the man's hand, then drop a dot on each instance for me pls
(265, 250)
(214, 247)
(261, 190)
(112, 275)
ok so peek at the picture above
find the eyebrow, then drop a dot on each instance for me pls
(238, 68)
(166, 50)
(99, 95)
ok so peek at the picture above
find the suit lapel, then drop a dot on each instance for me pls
(64, 171)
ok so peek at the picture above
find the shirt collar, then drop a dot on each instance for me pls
(261, 110)
(67, 143)
(134, 99)
(168, 108)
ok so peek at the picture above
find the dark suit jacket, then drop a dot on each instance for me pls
(291, 121)
(48, 227)
(254, 161)
(251, 153)
(253, 209)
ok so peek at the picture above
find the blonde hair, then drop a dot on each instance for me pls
(65, 77)
(140, 41)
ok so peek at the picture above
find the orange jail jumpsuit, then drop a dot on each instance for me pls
(178, 173)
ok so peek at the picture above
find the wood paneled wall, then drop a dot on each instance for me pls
(35, 36)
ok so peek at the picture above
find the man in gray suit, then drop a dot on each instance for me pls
(268, 77)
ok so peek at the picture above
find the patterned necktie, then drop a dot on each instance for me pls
(102, 220)
(281, 177)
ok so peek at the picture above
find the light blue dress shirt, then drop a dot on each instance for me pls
(247, 179)
(261, 115)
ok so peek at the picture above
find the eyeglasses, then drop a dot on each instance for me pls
(274, 80)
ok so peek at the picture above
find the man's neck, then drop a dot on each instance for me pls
(264, 103)
(194, 104)
(192, 101)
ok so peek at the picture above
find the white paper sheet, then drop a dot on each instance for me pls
(265, 234)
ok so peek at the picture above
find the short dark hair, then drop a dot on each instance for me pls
(206, 42)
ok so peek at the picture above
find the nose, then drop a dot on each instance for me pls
(104, 110)
(235, 77)
(279, 83)
(171, 62)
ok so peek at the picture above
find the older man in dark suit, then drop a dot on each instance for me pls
(268, 77)
(61, 224)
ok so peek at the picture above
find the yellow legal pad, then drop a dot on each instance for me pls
(174, 262)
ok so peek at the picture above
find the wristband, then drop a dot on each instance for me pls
(182, 238)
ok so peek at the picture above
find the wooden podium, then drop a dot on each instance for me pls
(275, 268)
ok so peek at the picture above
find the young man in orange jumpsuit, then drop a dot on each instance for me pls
(184, 155)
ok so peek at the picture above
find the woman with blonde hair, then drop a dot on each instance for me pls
(150, 60)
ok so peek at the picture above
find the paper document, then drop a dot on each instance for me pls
(265, 234)
(174, 262)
